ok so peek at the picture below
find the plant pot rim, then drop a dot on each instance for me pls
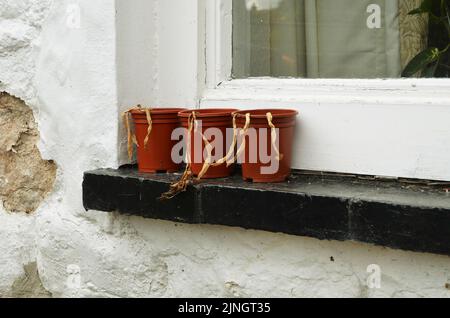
(262, 113)
(208, 112)
(158, 111)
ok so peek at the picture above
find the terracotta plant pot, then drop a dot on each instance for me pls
(210, 118)
(284, 121)
(155, 155)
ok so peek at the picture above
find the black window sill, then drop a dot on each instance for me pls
(387, 213)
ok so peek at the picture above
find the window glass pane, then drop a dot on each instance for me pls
(333, 38)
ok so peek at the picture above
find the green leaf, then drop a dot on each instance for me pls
(425, 7)
(430, 71)
(416, 11)
(421, 61)
(447, 13)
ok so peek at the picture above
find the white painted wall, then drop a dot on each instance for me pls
(147, 76)
(77, 83)
(137, 47)
(20, 29)
(68, 76)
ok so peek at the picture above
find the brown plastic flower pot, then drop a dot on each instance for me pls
(284, 121)
(210, 118)
(155, 155)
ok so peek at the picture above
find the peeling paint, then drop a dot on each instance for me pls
(25, 178)
(29, 285)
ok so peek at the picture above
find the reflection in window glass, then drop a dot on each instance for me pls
(326, 38)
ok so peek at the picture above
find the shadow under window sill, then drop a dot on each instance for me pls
(393, 214)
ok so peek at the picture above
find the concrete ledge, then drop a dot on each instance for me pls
(386, 213)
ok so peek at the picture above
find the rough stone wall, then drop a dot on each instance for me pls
(68, 78)
(17, 247)
(20, 29)
(29, 285)
(133, 257)
(25, 179)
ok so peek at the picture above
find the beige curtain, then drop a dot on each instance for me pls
(316, 39)
(413, 31)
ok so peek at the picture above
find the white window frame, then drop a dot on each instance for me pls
(392, 128)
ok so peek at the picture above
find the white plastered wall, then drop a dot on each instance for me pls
(77, 81)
